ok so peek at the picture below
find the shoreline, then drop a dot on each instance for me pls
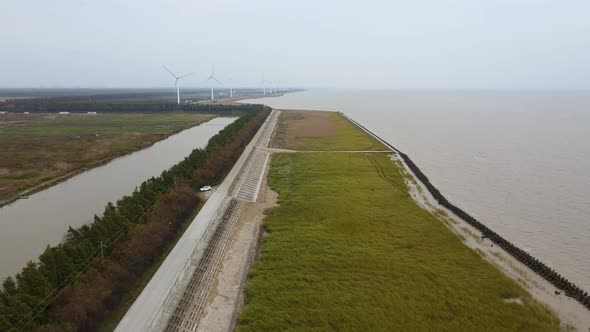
(384, 223)
(546, 283)
(238, 99)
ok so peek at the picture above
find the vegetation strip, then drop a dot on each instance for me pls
(348, 250)
(52, 106)
(569, 288)
(71, 288)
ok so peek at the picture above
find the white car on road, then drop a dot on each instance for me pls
(205, 188)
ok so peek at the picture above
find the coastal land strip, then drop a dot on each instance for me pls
(356, 243)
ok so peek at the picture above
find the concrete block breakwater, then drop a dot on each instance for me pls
(569, 288)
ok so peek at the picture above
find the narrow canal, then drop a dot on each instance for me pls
(27, 226)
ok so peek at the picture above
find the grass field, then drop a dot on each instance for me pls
(348, 249)
(320, 131)
(37, 148)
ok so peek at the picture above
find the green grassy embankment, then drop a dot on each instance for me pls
(348, 249)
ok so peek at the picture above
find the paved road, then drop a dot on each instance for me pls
(191, 305)
(155, 305)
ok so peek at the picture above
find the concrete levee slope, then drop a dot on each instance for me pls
(192, 303)
(152, 308)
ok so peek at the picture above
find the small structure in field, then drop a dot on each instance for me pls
(2, 112)
(63, 113)
(25, 112)
(93, 113)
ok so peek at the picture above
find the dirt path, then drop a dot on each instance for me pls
(210, 299)
(226, 298)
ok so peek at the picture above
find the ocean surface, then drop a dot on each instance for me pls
(519, 161)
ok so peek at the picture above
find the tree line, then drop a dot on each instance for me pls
(74, 285)
(50, 106)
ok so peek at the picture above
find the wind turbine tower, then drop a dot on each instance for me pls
(176, 79)
(212, 77)
(231, 89)
(263, 84)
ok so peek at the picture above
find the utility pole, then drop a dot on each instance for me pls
(102, 246)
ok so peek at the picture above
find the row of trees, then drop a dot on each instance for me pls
(75, 284)
(51, 106)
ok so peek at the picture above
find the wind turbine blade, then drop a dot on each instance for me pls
(168, 70)
(186, 75)
(216, 80)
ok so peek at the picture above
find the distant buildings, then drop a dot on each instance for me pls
(91, 112)
(63, 113)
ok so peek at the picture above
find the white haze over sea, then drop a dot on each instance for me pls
(519, 161)
(309, 43)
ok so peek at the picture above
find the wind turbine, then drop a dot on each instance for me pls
(231, 89)
(212, 77)
(262, 83)
(176, 78)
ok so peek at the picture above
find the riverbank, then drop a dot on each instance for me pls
(340, 249)
(132, 236)
(28, 225)
(41, 150)
(175, 296)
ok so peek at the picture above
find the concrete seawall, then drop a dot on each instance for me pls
(533, 263)
(156, 303)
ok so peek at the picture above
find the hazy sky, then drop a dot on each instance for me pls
(388, 44)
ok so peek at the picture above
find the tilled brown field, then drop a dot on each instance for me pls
(295, 125)
(321, 131)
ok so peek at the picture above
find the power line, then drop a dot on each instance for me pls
(59, 289)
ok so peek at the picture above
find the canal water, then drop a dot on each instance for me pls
(27, 226)
(519, 161)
